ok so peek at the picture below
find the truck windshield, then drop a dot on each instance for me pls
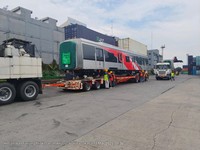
(162, 66)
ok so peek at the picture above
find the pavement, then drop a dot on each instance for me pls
(170, 121)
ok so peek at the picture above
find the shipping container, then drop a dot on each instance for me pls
(185, 69)
(184, 72)
(80, 31)
(194, 70)
(190, 60)
(190, 68)
(185, 66)
(132, 45)
(197, 72)
(198, 67)
(198, 60)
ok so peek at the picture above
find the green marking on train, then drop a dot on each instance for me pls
(66, 58)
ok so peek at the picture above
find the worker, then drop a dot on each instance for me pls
(146, 75)
(114, 79)
(111, 79)
(106, 79)
(172, 75)
(142, 77)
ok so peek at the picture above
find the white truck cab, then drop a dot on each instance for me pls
(163, 71)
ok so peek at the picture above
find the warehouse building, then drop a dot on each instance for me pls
(153, 58)
(43, 33)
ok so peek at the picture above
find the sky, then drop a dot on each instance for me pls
(173, 23)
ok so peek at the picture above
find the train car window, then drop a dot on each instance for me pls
(99, 54)
(120, 57)
(109, 57)
(133, 59)
(127, 59)
(88, 52)
(139, 60)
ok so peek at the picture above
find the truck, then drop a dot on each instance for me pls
(20, 72)
(87, 61)
(163, 70)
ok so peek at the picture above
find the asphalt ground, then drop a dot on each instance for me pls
(170, 121)
(59, 117)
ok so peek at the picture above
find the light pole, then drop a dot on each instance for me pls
(162, 47)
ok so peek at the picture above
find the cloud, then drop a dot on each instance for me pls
(174, 23)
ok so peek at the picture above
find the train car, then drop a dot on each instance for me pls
(85, 57)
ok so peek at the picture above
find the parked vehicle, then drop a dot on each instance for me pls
(19, 73)
(163, 71)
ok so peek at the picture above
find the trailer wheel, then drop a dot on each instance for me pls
(86, 86)
(28, 90)
(7, 93)
(97, 85)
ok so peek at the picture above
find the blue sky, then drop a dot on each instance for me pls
(174, 23)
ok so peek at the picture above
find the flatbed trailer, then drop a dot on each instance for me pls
(86, 84)
(78, 84)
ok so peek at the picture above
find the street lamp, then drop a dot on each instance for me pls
(162, 47)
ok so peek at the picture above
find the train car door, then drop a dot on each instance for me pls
(99, 58)
(120, 60)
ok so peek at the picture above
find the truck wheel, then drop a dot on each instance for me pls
(97, 85)
(86, 86)
(28, 90)
(7, 93)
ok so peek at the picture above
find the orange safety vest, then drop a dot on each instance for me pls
(141, 74)
(111, 77)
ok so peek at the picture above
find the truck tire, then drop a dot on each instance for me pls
(28, 91)
(97, 85)
(86, 86)
(7, 93)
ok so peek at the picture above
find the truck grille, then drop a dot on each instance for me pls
(162, 72)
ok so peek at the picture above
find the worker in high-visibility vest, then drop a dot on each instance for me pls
(172, 75)
(106, 79)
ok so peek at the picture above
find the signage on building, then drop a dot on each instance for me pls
(100, 39)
